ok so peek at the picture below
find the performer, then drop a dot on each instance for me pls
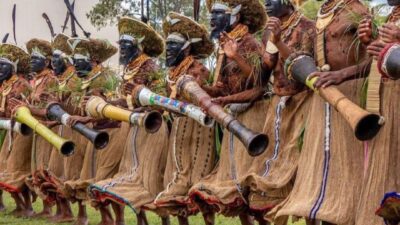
(88, 56)
(329, 175)
(271, 175)
(14, 160)
(62, 168)
(44, 81)
(380, 176)
(191, 151)
(139, 178)
(238, 79)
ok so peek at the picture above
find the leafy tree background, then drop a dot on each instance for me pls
(106, 12)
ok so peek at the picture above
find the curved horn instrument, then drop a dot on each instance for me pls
(98, 108)
(144, 97)
(255, 142)
(6, 124)
(388, 61)
(23, 115)
(99, 139)
(364, 124)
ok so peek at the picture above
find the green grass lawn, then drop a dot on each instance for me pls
(94, 217)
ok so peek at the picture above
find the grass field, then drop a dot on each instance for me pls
(94, 217)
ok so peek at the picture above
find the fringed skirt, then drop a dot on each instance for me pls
(41, 152)
(221, 190)
(62, 168)
(98, 164)
(272, 174)
(191, 156)
(140, 175)
(15, 162)
(382, 175)
(330, 167)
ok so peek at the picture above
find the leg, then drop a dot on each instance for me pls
(19, 205)
(209, 218)
(183, 220)
(45, 213)
(82, 215)
(57, 215)
(2, 207)
(246, 219)
(165, 220)
(141, 218)
(392, 222)
(106, 217)
(66, 214)
(260, 219)
(26, 194)
(119, 213)
(310, 222)
(327, 223)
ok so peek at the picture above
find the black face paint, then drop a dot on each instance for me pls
(6, 70)
(82, 66)
(37, 63)
(277, 8)
(174, 53)
(58, 64)
(220, 21)
(128, 51)
(393, 2)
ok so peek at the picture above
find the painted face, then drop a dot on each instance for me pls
(393, 2)
(128, 51)
(220, 21)
(58, 64)
(37, 63)
(6, 70)
(82, 66)
(277, 8)
(174, 52)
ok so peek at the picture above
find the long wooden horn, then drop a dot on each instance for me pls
(365, 125)
(255, 143)
(23, 115)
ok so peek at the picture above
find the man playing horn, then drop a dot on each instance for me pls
(44, 81)
(15, 154)
(191, 150)
(62, 168)
(237, 79)
(139, 177)
(331, 155)
(94, 79)
(380, 176)
(271, 175)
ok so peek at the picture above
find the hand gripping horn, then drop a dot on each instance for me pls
(364, 124)
(99, 139)
(144, 97)
(98, 108)
(255, 143)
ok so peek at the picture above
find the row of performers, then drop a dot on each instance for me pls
(327, 158)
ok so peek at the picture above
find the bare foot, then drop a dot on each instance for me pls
(43, 214)
(81, 221)
(27, 213)
(16, 212)
(2, 208)
(109, 222)
(63, 219)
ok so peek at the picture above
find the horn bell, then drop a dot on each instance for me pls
(99, 139)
